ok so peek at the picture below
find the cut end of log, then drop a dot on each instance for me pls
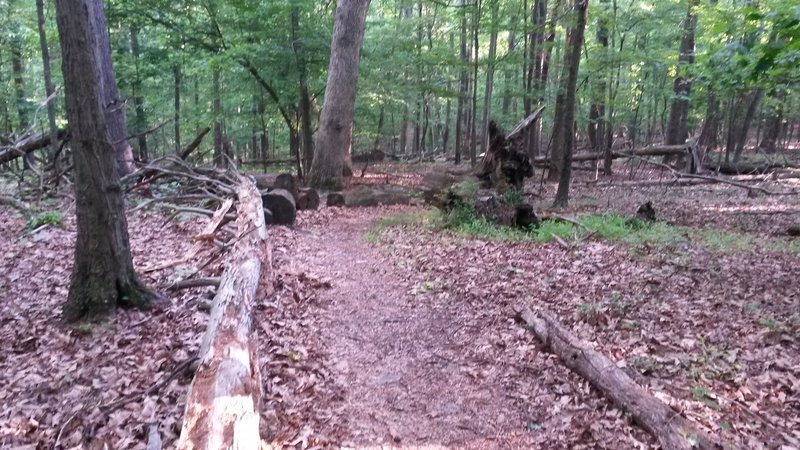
(335, 199)
(279, 207)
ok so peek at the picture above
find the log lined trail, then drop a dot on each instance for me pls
(421, 369)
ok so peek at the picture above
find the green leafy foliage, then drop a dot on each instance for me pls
(52, 217)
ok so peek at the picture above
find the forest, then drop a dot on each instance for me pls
(363, 224)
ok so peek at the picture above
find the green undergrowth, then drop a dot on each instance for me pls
(610, 227)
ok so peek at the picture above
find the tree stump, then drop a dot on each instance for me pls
(279, 207)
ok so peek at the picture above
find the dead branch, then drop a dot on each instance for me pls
(671, 430)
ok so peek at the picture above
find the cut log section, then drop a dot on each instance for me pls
(671, 430)
(225, 394)
(335, 199)
(279, 207)
(307, 198)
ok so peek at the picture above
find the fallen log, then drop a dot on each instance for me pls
(671, 430)
(194, 144)
(224, 397)
(376, 194)
(659, 150)
(27, 145)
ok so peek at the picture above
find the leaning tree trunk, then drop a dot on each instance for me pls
(335, 133)
(102, 276)
(563, 130)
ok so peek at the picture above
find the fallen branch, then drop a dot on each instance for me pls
(671, 430)
(27, 145)
(193, 283)
(11, 201)
(224, 397)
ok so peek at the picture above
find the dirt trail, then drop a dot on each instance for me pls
(420, 370)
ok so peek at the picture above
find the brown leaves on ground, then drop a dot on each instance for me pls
(59, 382)
(410, 342)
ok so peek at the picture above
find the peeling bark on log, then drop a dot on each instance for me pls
(28, 145)
(225, 394)
(671, 430)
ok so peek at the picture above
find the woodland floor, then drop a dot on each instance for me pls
(404, 337)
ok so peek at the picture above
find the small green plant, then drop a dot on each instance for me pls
(616, 303)
(52, 217)
(704, 394)
(772, 324)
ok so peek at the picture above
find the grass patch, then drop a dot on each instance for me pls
(461, 220)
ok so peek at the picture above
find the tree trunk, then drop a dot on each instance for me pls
(48, 82)
(463, 86)
(334, 137)
(305, 98)
(114, 106)
(508, 95)
(178, 77)
(564, 128)
(741, 139)
(772, 128)
(219, 159)
(138, 101)
(476, 22)
(102, 275)
(18, 70)
(487, 97)
(596, 129)
(679, 111)
(708, 132)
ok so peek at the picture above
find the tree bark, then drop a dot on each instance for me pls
(305, 98)
(102, 276)
(48, 82)
(219, 151)
(487, 97)
(178, 78)
(138, 100)
(564, 128)
(224, 398)
(114, 106)
(772, 128)
(335, 133)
